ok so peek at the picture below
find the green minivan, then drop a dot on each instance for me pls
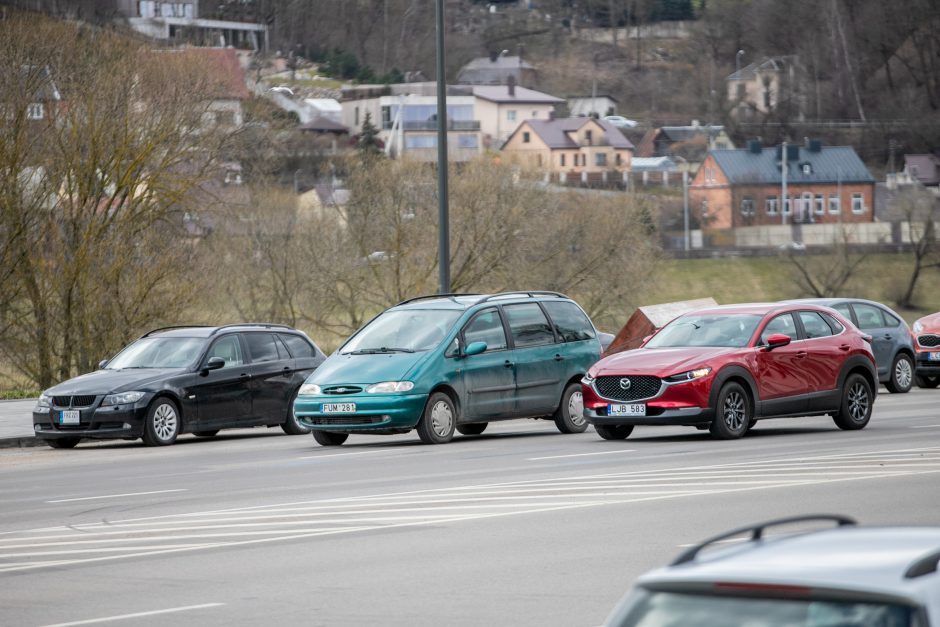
(454, 362)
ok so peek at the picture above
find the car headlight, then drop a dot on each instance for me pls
(43, 405)
(390, 386)
(309, 389)
(689, 375)
(918, 327)
(124, 398)
(587, 379)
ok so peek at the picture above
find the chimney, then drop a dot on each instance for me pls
(754, 146)
(511, 85)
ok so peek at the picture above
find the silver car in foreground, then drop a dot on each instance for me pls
(846, 576)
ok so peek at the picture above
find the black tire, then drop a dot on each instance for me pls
(475, 428)
(206, 434)
(162, 424)
(327, 438)
(63, 442)
(614, 432)
(292, 426)
(751, 424)
(438, 421)
(902, 375)
(733, 412)
(857, 402)
(569, 417)
(927, 382)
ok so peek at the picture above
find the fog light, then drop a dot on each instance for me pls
(37, 427)
(126, 425)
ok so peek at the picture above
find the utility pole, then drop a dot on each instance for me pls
(443, 260)
(784, 166)
(685, 208)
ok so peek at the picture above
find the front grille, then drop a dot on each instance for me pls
(342, 389)
(344, 420)
(73, 401)
(929, 341)
(639, 386)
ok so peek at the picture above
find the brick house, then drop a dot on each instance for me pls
(825, 184)
(570, 145)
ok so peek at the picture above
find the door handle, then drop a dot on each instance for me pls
(801, 354)
(244, 375)
(559, 358)
(887, 336)
(508, 364)
(844, 347)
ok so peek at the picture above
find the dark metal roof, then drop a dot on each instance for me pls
(831, 164)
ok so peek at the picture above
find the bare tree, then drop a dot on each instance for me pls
(826, 275)
(921, 211)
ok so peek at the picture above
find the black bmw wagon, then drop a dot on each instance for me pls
(183, 380)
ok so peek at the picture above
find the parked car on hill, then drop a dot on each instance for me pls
(725, 368)
(927, 346)
(846, 576)
(451, 362)
(621, 122)
(180, 380)
(891, 342)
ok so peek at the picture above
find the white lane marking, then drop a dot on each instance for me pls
(116, 496)
(342, 454)
(925, 427)
(108, 619)
(535, 459)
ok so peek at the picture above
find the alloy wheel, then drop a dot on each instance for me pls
(734, 411)
(903, 374)
(858, 402)
(165, 421)
(442, 418)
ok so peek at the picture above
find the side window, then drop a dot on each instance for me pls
(834, 324)
(890, 321)
(570, 322)
(298, 346)
(528, 325)
(845, 310)
(486, 327)
(814, 325)
(869, 317)
(229, 349)
(261, 347)
(782, 324)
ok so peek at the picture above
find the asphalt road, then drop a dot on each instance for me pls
(519, 526)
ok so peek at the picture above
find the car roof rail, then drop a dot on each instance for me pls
(757, 532)
(923, 566)
(452, 296)
(531, 294)
(175, 326)
(263, 325)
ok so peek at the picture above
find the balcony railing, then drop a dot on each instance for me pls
(431, 125)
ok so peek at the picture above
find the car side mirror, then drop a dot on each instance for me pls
(777, 340)
(102, 364)
(474, 348)
(214, 363)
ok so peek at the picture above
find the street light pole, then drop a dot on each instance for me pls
(443, 219)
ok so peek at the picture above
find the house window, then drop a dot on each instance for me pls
(771, 205)
(35, 111)
(807, 168)
(561, 159)
(525, 138)
(589, 138)
(834, 204)
(742, 91)
(786, 205)
(511, 115)
(619, 159)
(420, 141)
(467, 141)
(747, 206)
(820, 204)
(858, 205)
(600, 159)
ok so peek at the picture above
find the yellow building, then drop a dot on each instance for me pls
(570, 146)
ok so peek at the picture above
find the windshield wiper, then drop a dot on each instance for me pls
(375, 351)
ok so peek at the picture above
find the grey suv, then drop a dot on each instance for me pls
(846, 576)
(891, 340)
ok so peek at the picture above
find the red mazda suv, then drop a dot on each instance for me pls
(726, 367)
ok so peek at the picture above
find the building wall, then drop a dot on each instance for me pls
(535, 153)
(494, 118)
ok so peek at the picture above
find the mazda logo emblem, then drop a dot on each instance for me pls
(625, 384)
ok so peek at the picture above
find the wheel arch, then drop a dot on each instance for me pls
(739, 375)
(860, 365)
(449, 391)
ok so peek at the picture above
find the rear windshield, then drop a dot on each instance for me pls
(662, 609)
(403, 330)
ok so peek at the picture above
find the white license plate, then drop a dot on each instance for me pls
(636, 409)
(339, 408)
(933, 356)
(70, 417)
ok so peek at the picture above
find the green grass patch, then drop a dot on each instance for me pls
(10, 395)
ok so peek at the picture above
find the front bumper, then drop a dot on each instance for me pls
(685, 404)
(923, 365)
(114, 422)
(679, 416)
(374, 412)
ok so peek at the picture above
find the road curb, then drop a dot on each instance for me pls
(20, 442)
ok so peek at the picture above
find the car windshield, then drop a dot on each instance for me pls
(666, 609)
(403, 330)
(728, 330)
(159, 352)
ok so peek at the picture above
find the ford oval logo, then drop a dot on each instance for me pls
(625, 384)
(340, 390)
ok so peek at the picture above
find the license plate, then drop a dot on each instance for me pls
(933, 356)
(70, 417)
(339, 408)
(636, 409)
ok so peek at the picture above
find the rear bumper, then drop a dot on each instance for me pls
(374, 412)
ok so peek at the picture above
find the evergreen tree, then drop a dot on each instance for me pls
(368, 142)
